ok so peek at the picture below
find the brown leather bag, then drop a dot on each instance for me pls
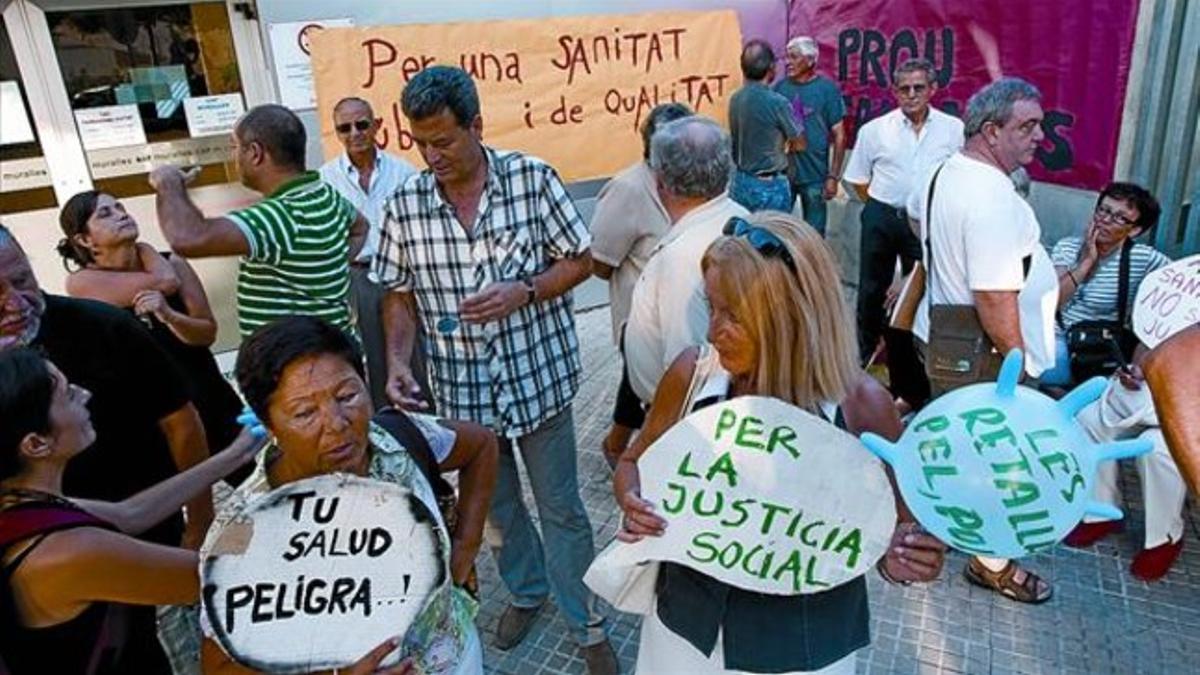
(960, 351)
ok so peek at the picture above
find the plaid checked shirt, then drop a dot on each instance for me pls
(514, 373)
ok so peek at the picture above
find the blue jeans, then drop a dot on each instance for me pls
(1060, 374)
(761, 194)
(548, 453)
(812, 200)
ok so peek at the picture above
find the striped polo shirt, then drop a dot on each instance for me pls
(1096, 298)
(298, 263)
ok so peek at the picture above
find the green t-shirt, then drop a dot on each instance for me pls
(819, 104)
(298, 263)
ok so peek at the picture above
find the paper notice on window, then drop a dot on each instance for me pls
(111, 126)
(290, 51)
(212, 115)
(14, 123)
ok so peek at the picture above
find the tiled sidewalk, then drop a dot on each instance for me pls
(1101, 620)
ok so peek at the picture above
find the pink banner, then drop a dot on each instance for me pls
(1078, 55)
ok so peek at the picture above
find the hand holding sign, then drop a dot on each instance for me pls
(1001, 470)
(1168, 301)
(319, 572)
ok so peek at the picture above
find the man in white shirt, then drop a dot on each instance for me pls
(984, 250)
(692, 163)
(367, 177)
(891, 152)
(628, 222)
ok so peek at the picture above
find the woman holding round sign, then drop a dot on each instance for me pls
(778, 328)
(67, 564)
(304, 379)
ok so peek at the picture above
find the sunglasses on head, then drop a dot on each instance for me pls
(761, 239)
(361, 125)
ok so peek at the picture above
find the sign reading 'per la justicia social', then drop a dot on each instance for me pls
(764, 496)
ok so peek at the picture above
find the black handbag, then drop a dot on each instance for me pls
(1100, 347)
(960, 352)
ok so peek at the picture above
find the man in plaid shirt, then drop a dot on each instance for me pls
(484, 248)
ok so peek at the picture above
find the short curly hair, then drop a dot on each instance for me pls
(273, 347)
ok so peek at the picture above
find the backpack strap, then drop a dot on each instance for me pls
(401, 426)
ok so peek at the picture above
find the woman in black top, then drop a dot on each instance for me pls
(62, 561)
(101, 243)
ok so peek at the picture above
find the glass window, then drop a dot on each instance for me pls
(150, 86)
(25, 183)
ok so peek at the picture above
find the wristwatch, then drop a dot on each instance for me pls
(530, 291)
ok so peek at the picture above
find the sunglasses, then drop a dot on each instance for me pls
(761, 239)
(361, 125)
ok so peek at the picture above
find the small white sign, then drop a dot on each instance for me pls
(293, 67)
(1168, 301)
(764, 496)
(111, 126)
(14, 123)
(319, 572)
(212, 115)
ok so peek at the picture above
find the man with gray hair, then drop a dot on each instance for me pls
(628, 222)
(817, 105)
(692, 163)
(983, 250)
(295, 245)
(890, 151)
(484, 248)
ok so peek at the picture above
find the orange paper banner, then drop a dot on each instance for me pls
(572, 90)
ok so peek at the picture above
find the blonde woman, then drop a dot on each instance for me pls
(779, 327)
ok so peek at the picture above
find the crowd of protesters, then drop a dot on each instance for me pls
(402, 324)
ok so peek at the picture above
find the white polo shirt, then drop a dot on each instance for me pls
(982, 233)
(889, 156)
(668, 312)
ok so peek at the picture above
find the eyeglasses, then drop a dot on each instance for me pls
(761, 239)
(361, 125)
(1103, 212)
(911, 89)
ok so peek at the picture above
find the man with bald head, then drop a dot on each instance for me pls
(294, 245)
(368, 176)
(764, 134)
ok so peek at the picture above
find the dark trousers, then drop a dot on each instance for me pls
(628, 411)
(885, 236)
(367, 299)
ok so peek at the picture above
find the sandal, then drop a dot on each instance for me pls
(1004, 582)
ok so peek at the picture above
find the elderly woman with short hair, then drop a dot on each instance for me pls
(304, 379)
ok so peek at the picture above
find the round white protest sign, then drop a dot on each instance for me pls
(317, 573)
(764, 496)
(1168, 301)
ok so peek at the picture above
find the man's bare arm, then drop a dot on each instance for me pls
(1000, 317)
(1173, 372)
(183, 225)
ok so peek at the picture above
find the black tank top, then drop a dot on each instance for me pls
(69, 648)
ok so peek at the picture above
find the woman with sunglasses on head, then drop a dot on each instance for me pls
(778, 327)
(100, 245)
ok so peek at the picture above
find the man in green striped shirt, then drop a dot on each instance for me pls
(295, 245)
